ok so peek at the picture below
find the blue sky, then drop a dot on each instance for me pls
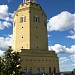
(61, 32)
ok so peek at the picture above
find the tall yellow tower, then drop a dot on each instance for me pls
(30, 31)
(30, 36)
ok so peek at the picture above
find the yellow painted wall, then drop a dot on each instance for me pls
(34, 34)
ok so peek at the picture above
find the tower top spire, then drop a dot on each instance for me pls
(26, 1)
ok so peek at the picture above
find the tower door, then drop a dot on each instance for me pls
(43, 70)
(30, 70)
(25, 69)
(38, 70)
(54, 69)
(50, 70)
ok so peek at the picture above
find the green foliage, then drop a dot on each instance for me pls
(11, 63)
(1, 65)
(73, 71)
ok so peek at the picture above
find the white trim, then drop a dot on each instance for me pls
(25, 1)
(22, 18)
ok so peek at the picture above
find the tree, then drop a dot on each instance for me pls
(73, 71)
(1, 65)
(11, 62)
(15, 63)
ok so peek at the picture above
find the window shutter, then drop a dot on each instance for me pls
(25, 19)
(21, 20)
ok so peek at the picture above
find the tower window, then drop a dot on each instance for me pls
(38, 70)
(54, 69)
(36, 19)
(23, 19)
(25, 69)
(43, 70)
(30, 69)
(50, 70)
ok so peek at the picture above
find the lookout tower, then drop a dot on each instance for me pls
(30, 27)
(30, 36)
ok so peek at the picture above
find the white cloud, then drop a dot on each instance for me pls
(63, 60)
(72, 32)
(59, 48)
(72, 36)
(61, 22)
(3, 11)
(4, 24)
(73, 65)
(5, 17)
(73, 57)
(5, 42)
(49, 36)
(71, 49)
(66, 62)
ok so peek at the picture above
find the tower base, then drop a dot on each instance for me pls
(39, 61)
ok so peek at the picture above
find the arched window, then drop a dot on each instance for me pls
(50, 70)
(23, 19)
(54, 69)
(25, 69)
(38, 70)
(36, 19)
(30, 70)
(43, 70)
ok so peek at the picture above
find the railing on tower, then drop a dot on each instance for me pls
(25, 1)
